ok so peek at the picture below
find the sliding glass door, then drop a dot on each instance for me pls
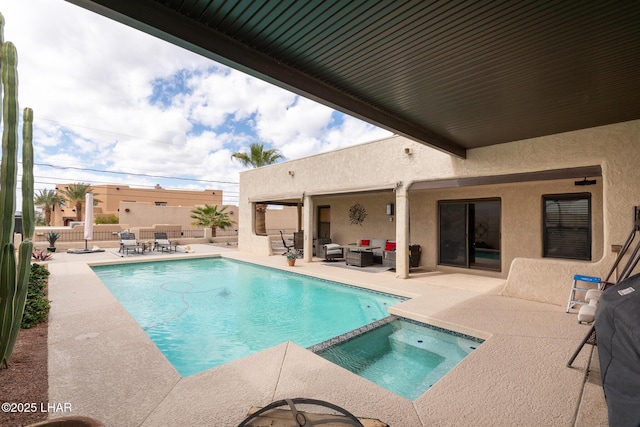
(469, 233)
(453, 234)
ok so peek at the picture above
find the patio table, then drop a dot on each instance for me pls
(360, 256)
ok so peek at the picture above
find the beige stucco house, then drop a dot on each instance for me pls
(116, 199)
(534, 211)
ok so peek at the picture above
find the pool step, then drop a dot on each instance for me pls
(425, 342)
(405, 337)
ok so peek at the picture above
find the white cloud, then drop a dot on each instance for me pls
(91, 82)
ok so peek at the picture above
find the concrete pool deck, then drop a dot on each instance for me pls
(103, 364)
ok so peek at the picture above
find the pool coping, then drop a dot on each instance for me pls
(355, 333)
(347, 336)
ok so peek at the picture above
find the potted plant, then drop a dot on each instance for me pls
(52, 237)
(291, 258)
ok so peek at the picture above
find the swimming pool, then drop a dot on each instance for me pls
(403, 356)
(202, 313)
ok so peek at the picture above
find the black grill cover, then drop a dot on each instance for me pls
(617, 326)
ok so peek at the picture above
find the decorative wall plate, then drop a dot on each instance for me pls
(357, 214)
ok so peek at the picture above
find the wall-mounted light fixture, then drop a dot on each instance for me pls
(408, 151)
(291, 173)
(126, 210)
(390, 209)
(586, 181)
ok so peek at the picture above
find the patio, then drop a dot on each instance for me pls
(103, 364)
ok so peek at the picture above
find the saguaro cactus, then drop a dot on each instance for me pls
(14, 277)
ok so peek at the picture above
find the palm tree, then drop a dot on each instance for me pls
(47, 199)
(210, 216)
(75, 194)
(256, 158)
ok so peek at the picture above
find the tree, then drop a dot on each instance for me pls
(75, 194)
(210, 216)
(258, 157)
(47, 199)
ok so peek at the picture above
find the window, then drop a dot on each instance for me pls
(567, 226)
(161, 203)
(324, 222)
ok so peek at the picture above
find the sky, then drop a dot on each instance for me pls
(113, 105)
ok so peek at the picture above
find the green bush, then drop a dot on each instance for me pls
(37, 305)
(111, 219)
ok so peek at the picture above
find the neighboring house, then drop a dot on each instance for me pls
(140, 207)
(111, 196)
(534, 211)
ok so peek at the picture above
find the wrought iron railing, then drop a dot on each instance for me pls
(276, 231)
(103, 235)
(148, 234)
(226, 233)
(77, 236)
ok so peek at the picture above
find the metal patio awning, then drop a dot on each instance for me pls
(451, 74)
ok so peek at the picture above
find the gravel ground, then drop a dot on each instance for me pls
(24, 385)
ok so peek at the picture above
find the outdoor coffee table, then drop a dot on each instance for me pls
(360, 256)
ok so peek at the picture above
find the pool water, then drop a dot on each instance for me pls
(202, 313)
(404, 357)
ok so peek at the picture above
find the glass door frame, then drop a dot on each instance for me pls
(459, 234)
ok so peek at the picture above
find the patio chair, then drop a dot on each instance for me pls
(128, 243)
(298, 242)
(272, 415)
(284, 243)
(161, 242)
(330, 252)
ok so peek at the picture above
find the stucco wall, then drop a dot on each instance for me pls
(384, 164)
(378, 164)
(285, 218)
(521, 227)
(138, 214)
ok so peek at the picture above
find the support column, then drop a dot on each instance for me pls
(208, 233)
(402, 233)
(308, 228)
(299, 210)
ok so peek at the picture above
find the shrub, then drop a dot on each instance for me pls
(41, 255)
(111, 219)
(37, 305)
